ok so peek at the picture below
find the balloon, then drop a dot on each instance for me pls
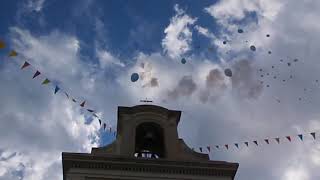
(269, 52)
(224, 42)
(228, 72)
(134, 77)
(240, 31)
(183, 61)
(253, 48)
(268, 35)
(295, 60)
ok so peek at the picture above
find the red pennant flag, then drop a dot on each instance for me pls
(313, 134)
(227, 146)
(200, 148)
(208, 147)
(36, 74)
(246, 143)
(26, 64)
(256, 142)
(267, 141)
(104, 126)
(278, 140)
(217, 146)
(82, 104)
(289, 138)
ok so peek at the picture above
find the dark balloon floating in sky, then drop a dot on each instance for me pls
(268, 35)
(252, 48)
(224, 42)
(134, 77)
(272, 67)
(269, 52)
(228, 72)
(240, 31)
(295, 60)
(289, 64)
(281, 60)
(183, 61)
(268, 85)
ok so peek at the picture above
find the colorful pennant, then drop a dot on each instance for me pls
(246, 143)
(36, 74)
(13, 53)
(200, 148)
(83, 103)
(46, 81)
(56, 89)
(256, 142)
(266, 140)
(300, 136)
(237, 145)
(278, 140)
(227, 146)
(208, 147)
(26, 64)
(289, 138)
(313, 134)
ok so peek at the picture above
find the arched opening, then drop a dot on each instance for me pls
(149, 141)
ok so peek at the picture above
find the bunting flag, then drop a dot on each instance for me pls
(208, 147)
(278, 140)
(104, 126)
(237, 145)
(90, 110)
(217, 146)
(110, 129)
(46, 81)
(100, 122)
(300, 136)
(266, 140)
(82, 104)
(246, 143)
(95, 115)
(227, 146)
(56, 89)
(200, 148)
(256, 142)
(66, 94)
(74, 100)
(2, 44)
(313, 134)
(26, 64)
(36, 74)
(13, 53)
(289, 138)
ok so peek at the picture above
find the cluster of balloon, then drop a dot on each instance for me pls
(183, 61)
(228, 72)
(134, 77)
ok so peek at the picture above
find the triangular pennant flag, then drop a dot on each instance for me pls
(100, 122)
(256, 142)
(278, 140)
(200, 148)
(289, 138)
(313, 134)
(66, 94)
(208, 147)
(56, 89)
(237, 145)
(246, 143)
(13, 53)
(90, 110)
(2, 44)
(36, 74)
(82, 104)
(104, 126)
(46, 81)
(110, 129)
(266, 140)
(74, 100)
(95, 115)
(227, 146)
(26, 64)
(300, 136)
(217, 146)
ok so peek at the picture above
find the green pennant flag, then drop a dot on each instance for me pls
(46, 81)
(26, 64)
(313, 134)
(13, 53)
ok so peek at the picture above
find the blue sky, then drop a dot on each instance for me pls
(91, 48)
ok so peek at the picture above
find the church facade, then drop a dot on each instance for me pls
(147, 146)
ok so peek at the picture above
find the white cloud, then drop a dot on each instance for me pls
(178, 34)
(35, 5)
(106, 59)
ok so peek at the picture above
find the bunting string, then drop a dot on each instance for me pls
(57, 89)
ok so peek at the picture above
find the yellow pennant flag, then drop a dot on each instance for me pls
(46, 81)
(2, 44)
(13, 53)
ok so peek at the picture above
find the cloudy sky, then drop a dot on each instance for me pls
(90, 49)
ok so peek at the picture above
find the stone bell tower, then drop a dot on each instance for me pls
(147, 146)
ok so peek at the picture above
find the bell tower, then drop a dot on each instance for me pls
(147, 146)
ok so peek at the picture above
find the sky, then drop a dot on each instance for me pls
(91, 48)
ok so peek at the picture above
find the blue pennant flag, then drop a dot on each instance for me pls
(300, 136)
(56, 90)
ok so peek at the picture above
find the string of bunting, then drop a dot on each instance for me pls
(261, 142)
(58, 89)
